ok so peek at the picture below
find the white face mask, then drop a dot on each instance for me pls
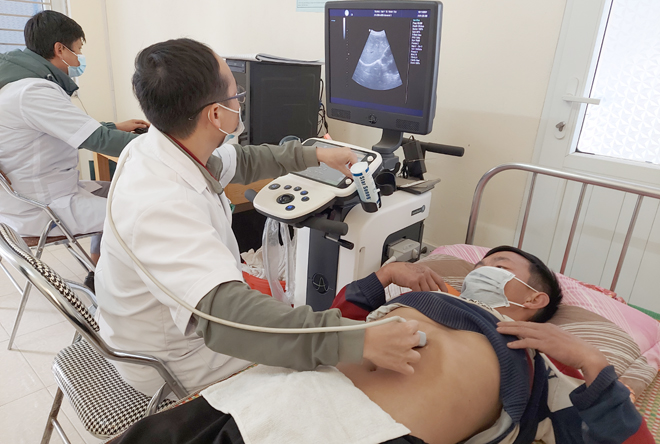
(239, 128)
(486, 284)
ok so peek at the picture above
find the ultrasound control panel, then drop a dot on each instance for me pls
(295, 196)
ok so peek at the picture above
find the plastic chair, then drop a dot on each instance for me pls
(40, 242)
(104, 402)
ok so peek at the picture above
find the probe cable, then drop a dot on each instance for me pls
(208, 317)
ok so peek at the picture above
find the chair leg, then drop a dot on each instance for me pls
(84, 261)
(60, 431)
(11, 278)
(19, 313)
(52, 419)
(42, 240)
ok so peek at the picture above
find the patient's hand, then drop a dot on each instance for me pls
(414, 276)
(391, 346)
(557, 343)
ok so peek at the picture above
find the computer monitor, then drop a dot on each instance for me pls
(382, 65)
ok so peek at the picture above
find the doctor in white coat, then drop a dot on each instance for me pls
(170, 209)
(41, 131)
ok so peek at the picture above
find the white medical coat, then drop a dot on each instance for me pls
(40, 132)
(180, 230)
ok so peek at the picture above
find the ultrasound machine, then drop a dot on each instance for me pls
(381, 71)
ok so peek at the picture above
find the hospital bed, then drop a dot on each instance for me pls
(648, 403)
(591, 297)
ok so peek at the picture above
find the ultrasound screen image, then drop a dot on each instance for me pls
(380, 59)
(376, 68)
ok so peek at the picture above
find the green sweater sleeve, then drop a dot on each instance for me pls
(256, 162)
(108, 140)
(237, 302)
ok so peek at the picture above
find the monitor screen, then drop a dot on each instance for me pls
(324, 174)
(381, 63)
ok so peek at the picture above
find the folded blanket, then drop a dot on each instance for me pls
(278, 405)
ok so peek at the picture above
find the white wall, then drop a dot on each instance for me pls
(96, 89)
(495, 65)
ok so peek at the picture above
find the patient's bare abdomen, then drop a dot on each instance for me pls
(454, 392)
(376, 68)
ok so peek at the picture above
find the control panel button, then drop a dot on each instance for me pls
(297, 189)
(287, 187)
(348, 181)
(370, 158)
(289, 207)
(304, 193)
(285, 198)
(274, 186)
(305, 199)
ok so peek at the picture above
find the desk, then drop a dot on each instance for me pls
(235, 192)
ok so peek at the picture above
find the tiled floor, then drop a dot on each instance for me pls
(27, 386)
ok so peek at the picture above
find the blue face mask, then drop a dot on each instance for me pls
(75, 71)
(486, 284)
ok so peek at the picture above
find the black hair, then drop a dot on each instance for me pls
(541, 278)
(46, 28)
(173, 80)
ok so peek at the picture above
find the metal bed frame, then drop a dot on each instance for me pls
(585, 180)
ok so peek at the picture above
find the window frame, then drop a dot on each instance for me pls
(54, 5)
(580, 40)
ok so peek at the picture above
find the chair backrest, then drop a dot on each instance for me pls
(58, 292)
(7, 186)
(80, 252)
(47, 281)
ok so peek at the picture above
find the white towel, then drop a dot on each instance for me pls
(278, 405)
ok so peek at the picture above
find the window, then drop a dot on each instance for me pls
(626, 123)
(13, 16)
(608, 50)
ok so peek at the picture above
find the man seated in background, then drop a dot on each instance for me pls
(41, 132)
(479, 378)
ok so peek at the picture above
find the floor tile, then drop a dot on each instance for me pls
(63, 263)
(6, 286)
(23, 421)
(4, 334)
(40, 347)
(39, 313)
(67, 259)
(17, 379)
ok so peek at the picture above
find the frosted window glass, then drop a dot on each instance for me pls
(626, 124)
(13, 17)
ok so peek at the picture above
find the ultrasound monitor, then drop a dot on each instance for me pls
(382, 66)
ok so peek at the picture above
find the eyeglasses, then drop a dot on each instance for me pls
(239, 96)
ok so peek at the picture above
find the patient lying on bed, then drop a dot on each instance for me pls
(474, 377)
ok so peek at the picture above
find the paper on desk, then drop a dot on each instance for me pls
(89, 185)
(273, 58)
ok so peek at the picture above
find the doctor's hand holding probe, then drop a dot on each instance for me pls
(169, 279)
